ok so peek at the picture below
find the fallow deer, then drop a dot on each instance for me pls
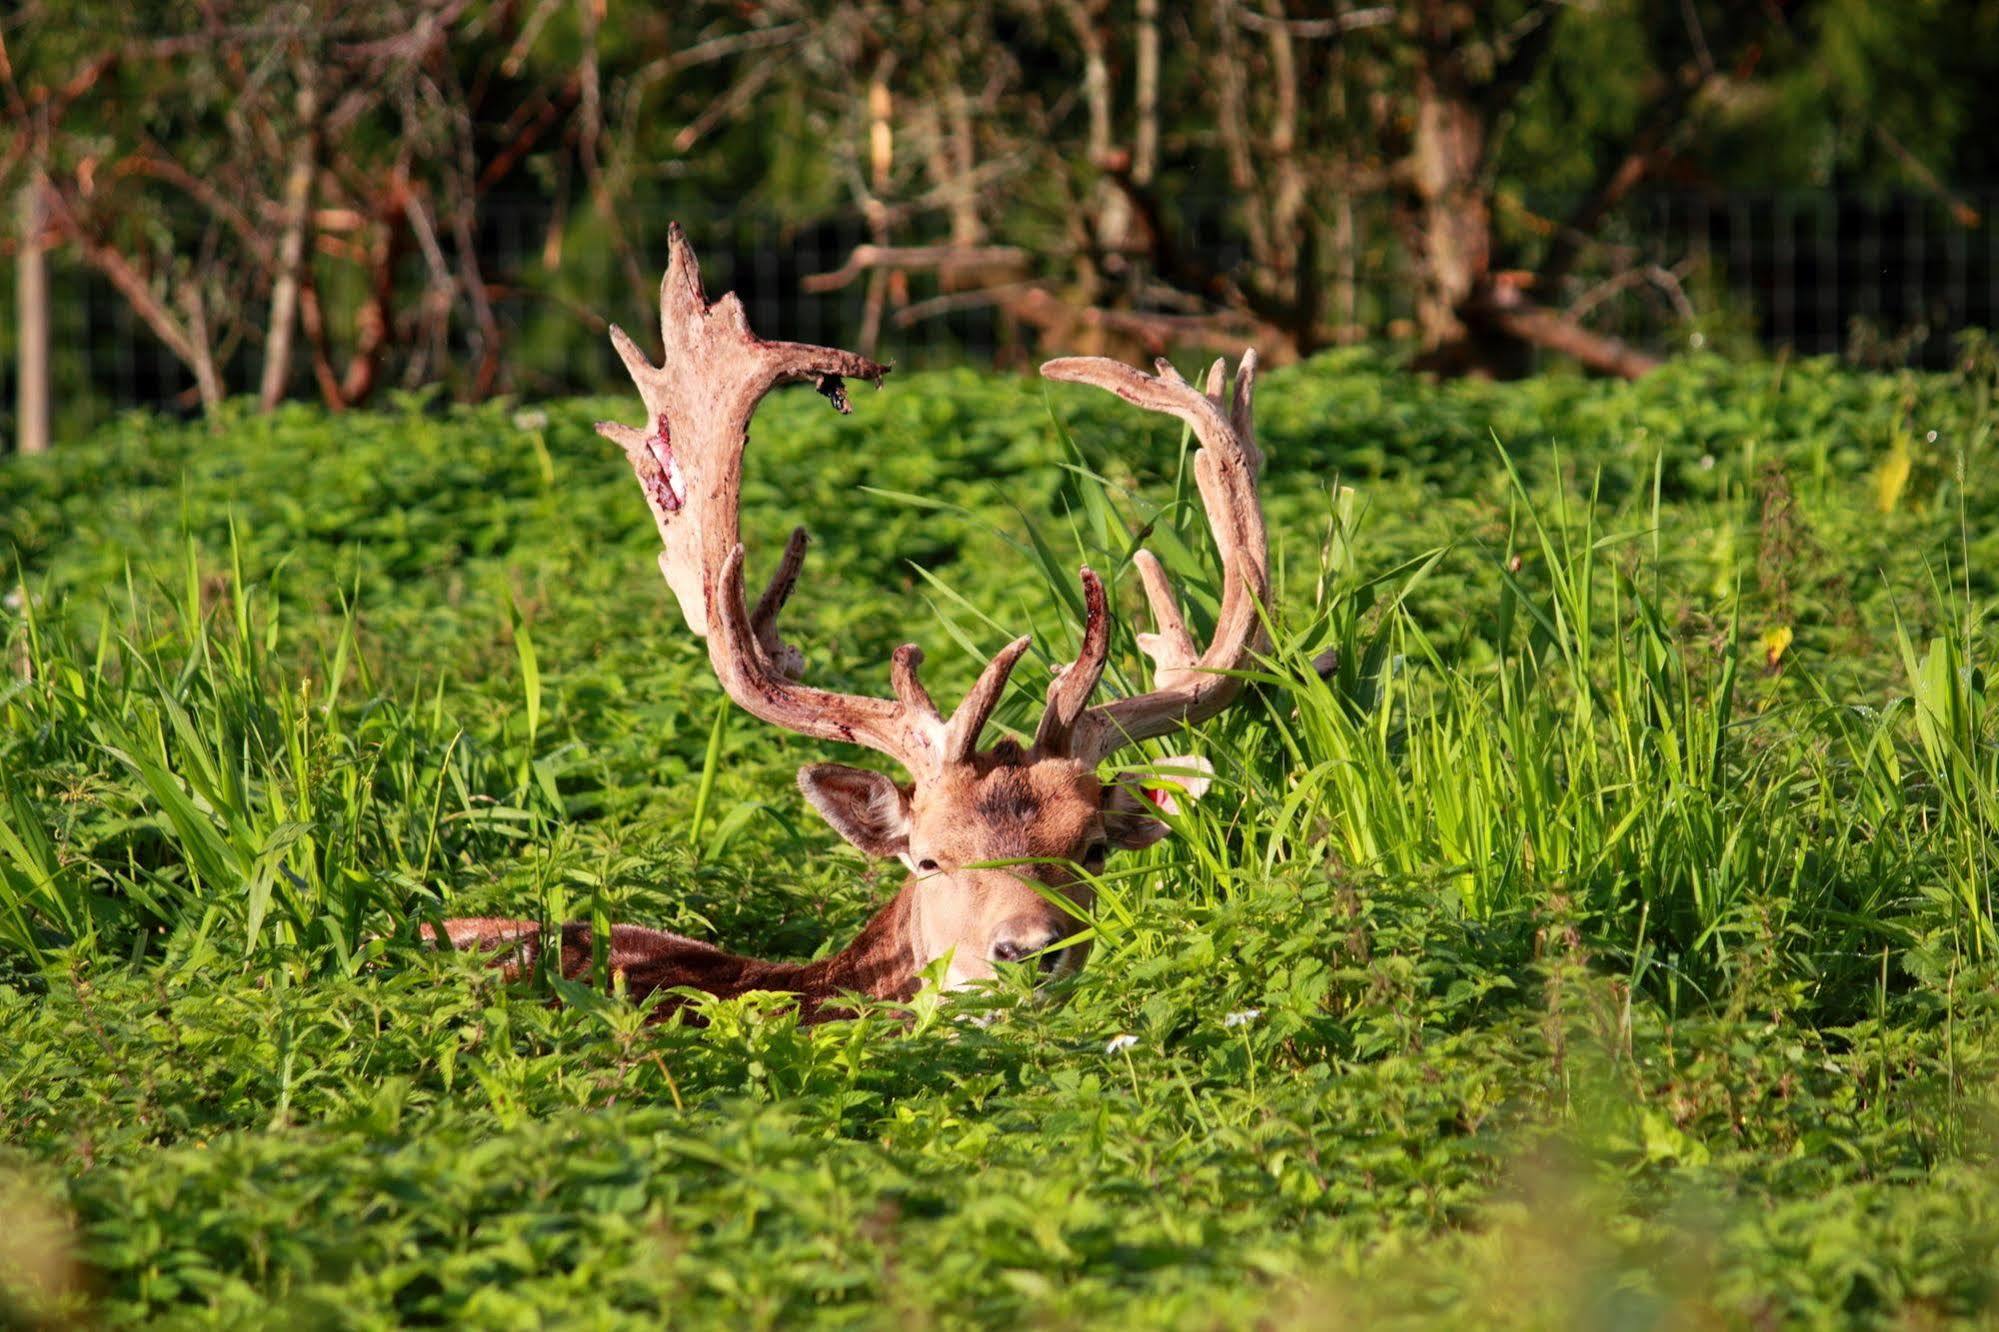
(1041, 807)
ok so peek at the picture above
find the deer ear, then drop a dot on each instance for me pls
(864, 807)
(1133, 798)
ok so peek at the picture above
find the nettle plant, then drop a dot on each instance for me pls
(1002, 842)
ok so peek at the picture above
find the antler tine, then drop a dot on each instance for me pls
(1242, 414)
(637, 364)
(790, 662)
(1069, 692)
(908, 684)
(1170, 646)
(1188, 687)
(961, 735)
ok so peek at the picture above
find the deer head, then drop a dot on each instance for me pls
(1041, 806)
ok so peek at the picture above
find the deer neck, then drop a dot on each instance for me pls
(881, 961)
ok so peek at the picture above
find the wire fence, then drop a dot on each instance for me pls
(1882, 277)
(1877, 275)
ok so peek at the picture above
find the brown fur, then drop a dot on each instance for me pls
(1003, 805)
(876, 964)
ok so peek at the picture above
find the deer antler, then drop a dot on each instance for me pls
(1188, 685)
(689, 462)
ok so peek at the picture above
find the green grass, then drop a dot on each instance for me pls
(1610, 940)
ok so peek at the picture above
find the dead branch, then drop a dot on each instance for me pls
(979, 298)
(1666, 280)
(1316, 29)
(155, 162)
(1961, 212)
(1154, 334)
(916, 258)
(185, 338)
(425, 36)
(524, 130)
(721, 48)
(1539, 326)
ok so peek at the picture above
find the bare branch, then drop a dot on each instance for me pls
(1665, 279)
(1316, 29)
(152, 160)
(185, 337)
(911, 258)
(735, 43)
(1542, 327)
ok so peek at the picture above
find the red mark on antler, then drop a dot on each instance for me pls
(669, 489)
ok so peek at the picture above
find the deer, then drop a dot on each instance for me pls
(1002, 843)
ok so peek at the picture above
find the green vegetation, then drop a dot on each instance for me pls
(1609, 940)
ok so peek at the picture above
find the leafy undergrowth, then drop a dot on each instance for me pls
(1609, 940)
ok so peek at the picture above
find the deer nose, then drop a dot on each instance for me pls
(1025, 941)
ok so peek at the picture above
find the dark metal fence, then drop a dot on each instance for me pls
(1826, 273)
(1882, 276)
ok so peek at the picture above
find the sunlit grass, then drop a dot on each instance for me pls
(1607, 931)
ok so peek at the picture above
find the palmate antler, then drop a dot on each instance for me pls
(689, 460)
(1188, 685)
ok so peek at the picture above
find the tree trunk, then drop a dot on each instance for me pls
(1453, 221)
(881, 172)
(1145, 139)
(1346, 271)
(1473, 319)
(590, 133)
(374, 321)
(207, 378)
(31, 306)
(291, 253)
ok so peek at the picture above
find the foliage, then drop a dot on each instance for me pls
(1609, 934)
(486, 178)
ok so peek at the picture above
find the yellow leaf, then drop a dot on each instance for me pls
(1774, 643)
(1891, 478)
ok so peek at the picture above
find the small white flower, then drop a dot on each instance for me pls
(16, 598)
(1707, 462)
(1119, 1044)
(1697, 341)
(1932, 437)
(1242, 1018)
(530, 418)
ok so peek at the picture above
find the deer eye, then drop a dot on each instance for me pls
(926, 866)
